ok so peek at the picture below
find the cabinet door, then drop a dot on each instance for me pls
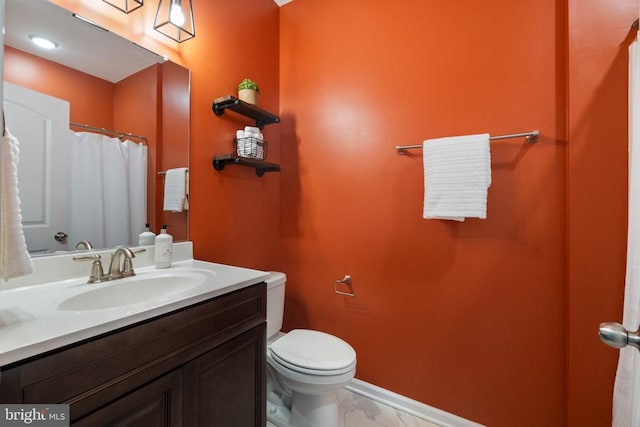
(158, 404)
(225, 387)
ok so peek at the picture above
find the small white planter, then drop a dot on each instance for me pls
(248, 95)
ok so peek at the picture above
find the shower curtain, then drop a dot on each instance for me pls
(108, 190)
(626, 393)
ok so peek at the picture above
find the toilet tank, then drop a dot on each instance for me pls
(275, 302)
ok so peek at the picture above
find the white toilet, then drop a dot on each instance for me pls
(305, 368)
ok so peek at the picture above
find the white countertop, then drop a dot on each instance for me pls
(32, 321)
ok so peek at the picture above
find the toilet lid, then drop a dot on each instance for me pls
(313, 350)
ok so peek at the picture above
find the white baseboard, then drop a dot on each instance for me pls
(409, 406)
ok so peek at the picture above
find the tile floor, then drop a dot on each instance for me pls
(359, 411)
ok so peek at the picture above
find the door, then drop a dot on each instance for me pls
(41, 124)
(227, 385)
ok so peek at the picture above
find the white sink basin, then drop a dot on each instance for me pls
(134, 290)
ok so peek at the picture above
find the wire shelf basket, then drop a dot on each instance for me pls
(250, 148)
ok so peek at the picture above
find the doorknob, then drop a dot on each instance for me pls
(615, 335)
(60, 236)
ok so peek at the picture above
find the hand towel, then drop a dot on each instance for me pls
(457, 176)
(14, 257)
(176, 190)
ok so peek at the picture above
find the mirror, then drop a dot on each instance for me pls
(110, 84)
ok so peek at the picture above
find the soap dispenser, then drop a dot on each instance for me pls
(147, 237)
(163, 248)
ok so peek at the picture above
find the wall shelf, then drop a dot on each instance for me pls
(219, 162)
(262, 117)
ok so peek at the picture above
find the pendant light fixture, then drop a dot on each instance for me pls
(127, 6)
(174, 19)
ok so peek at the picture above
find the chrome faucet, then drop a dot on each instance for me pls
(121, 265)
(84, 245)
(118, 268)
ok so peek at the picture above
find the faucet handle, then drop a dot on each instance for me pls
(97, 273)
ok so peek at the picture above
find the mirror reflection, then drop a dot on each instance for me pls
(99, 120)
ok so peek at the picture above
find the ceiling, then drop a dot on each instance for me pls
(82, 46)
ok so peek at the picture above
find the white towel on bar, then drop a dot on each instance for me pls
(176, 190)
(457, 175)
(14, 257)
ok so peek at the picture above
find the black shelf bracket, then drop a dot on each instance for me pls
(262, 117)
(219, 162)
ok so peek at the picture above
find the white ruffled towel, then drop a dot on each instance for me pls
(176, 190)
(457, 176)
(14, 257)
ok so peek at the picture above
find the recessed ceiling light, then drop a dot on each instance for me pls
(43, 42)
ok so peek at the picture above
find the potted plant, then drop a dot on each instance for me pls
(248, 91)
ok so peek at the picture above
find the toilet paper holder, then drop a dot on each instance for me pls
(346, 281)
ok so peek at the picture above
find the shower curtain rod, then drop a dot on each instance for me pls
(110, 132)
(529, 137)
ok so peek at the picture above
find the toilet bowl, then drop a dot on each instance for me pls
(307, 368)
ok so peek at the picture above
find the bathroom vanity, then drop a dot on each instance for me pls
(198, 360)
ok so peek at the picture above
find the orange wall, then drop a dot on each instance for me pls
(599, 35)
(234, 215)
(467, 317)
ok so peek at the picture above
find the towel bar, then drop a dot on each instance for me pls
(165, 172)
(530, 137)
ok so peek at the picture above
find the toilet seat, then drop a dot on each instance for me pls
(313, 352)
(309, 371)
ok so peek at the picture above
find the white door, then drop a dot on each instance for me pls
(41, 124)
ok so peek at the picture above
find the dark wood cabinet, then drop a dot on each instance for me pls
(226, 384)
(203, 365)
